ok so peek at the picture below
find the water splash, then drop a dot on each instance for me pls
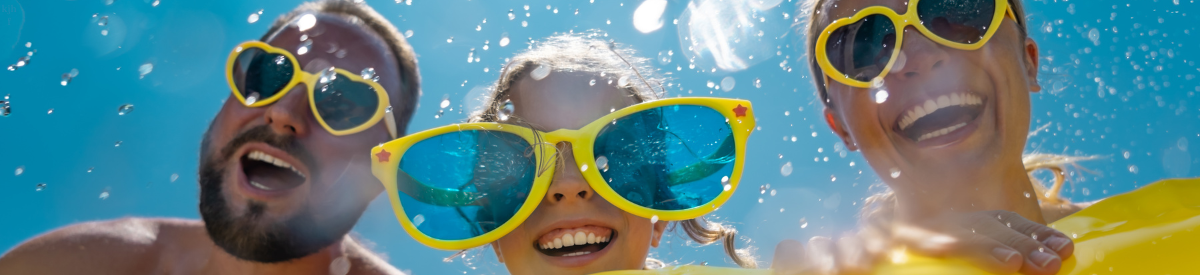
(647, 17)
(506, 111)
(725, 34)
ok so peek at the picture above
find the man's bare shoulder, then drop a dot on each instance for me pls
(121, 246)
(363, 261)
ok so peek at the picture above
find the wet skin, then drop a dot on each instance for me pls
(972, 165)
(564, 100)
(337, 189)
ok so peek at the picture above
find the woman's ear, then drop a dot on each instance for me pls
(1031, 65)
(657, 233)
(839, 129)
(496, 248)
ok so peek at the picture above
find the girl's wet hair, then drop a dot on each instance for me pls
(588, 52)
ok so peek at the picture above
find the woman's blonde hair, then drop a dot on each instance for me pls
(587, 52)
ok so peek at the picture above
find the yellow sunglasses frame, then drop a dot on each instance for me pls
(310, 81)
(910, 18)
(738, 114)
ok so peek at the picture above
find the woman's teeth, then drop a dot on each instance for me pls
(568, 240)
(930, 106)
(941, 132)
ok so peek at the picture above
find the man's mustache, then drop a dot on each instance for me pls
(264, 134)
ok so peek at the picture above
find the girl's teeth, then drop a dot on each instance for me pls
(941, 132)
(929, 106)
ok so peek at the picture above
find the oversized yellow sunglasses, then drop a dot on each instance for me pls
(860, 48)
(343, 102)
(466, 185)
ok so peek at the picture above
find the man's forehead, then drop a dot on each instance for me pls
(320, 40)
(847, 8)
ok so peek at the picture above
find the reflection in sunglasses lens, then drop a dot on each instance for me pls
(861, 50)
(962, 21)
(260, 75)
(345, 104)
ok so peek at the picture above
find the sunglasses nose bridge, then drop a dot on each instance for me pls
(920, 55)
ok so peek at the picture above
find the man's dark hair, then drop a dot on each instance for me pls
(405, 101)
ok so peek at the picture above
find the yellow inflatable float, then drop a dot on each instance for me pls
(1151, 230)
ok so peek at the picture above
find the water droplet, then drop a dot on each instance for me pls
(1182, 144)
(710, 84)
(5, 109)
(623, 81)
(479, 27)
(445, 103)
(1133, 169)
(408, 34)
(67, 77)
(506, 111)
(144, 70)
(118, 144)
(773, 192)
(418, 220)
(327, 75)
(895, 172)
(511, 16)
(803, 223)
(252, 98)
(104, 195)
(450, 40)
(40, 186)
(124, 109)
(304, 47)
(90, 169)
(103, 21)
(757, 83)
(832, 178)
(369, 73)
(877, 82)
(1094, 36)
(786, 170)
(1125, 154)
(592, 82)
(602, 163)
(654, 219)
(104, 32)
(583, 168)
(254, 17)
(727, 83)
(1027, 196)
(20, 170)
(780, 210)
(664, 57)
(881, 96)
(540, 72)
(306, 22)
(51, 111)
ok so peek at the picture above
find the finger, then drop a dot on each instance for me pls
(1026, 237)
(852, 257)
(822, 255)
(789, 258)
(979, 249)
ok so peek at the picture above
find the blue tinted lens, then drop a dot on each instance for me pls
(668, 158)
(861, 50)
(259, 75)
(463, 184)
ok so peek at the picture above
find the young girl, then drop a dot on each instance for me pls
(575, 165)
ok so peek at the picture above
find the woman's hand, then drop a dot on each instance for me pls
(995, 241)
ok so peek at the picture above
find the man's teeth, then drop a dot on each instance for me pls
(568, 240)
(956, 99)
(941, 132)
(260, 186)
(264, 157)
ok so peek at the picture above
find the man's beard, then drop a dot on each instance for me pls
(249, 235)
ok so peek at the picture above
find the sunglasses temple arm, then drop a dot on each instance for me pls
(433, 195)
(390, 121)
(706, 166)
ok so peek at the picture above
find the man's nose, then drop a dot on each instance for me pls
(289, 115)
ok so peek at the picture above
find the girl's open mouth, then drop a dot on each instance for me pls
(575, 241)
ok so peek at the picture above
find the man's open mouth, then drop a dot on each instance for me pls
(270, 173)
(939, 117)
(577, 241)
